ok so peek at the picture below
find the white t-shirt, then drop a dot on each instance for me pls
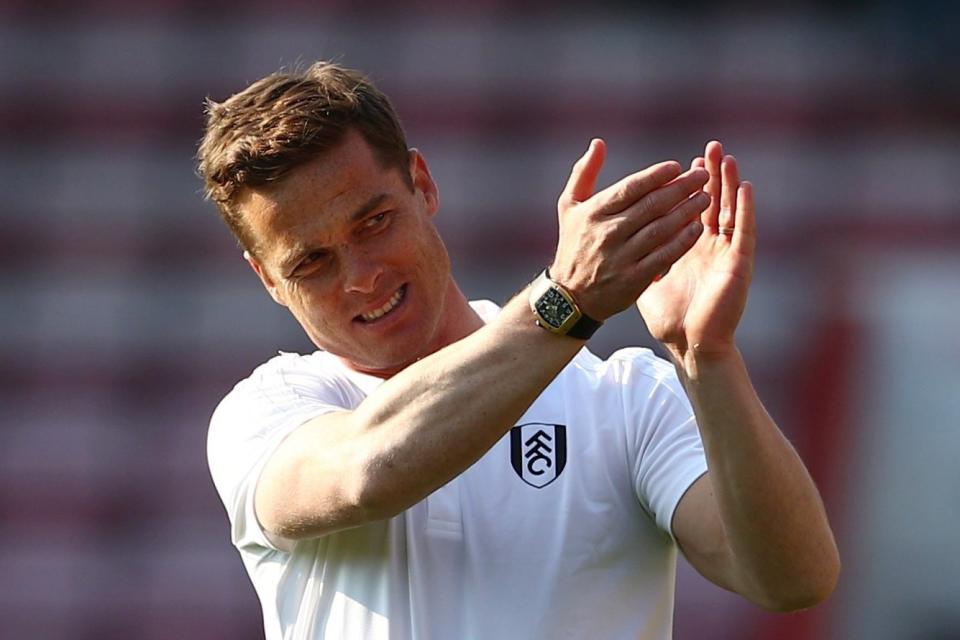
(561, 530)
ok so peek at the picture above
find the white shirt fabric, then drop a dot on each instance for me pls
(491, 555)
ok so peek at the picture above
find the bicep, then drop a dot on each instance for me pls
(308, 485)
(699, 533)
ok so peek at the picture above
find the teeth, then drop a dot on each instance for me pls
(386, 308)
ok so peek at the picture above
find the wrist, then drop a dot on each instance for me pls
(697, 361)
(556, 309)
(580, 291)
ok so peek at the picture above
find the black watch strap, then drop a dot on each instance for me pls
(584, 328)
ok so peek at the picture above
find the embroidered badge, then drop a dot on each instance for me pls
(538, 452)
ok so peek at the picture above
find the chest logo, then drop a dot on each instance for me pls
(538, 452)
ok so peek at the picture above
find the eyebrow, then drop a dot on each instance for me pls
(368, 206)
(300, 251)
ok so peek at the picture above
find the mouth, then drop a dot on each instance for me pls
(388, 307)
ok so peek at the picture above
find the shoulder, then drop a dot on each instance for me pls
(630, 366)
(634, 378)
(288, 384)
(647, 368)
(288, 376)
(266, 406)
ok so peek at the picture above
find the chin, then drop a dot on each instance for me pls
(381, 369)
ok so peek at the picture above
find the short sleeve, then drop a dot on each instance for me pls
(666, 452)
(251, 422)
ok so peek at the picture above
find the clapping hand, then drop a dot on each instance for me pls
(697, 304)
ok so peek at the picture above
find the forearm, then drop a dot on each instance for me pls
(414, 433)
(434, 419)
(782, 550)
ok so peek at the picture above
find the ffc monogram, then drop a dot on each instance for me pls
(538, 452)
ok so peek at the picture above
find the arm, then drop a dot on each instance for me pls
(755, 523)
(435, 418)
(413, 434)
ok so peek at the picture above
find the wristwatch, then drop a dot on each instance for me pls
(557, 311)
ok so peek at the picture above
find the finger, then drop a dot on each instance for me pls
(697, 163)
(745, 233)
(665, 227)
(583, 176)
(728, 193)
(712, 156)
(658, 261)
(626, 192)
(662, 201)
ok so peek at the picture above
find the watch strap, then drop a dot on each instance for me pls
(584, 328)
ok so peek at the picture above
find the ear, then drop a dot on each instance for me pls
(268, 283)
(423, 182)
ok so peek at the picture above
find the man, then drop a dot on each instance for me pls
(446, 469)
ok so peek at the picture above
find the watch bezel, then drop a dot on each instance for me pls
(540, 288)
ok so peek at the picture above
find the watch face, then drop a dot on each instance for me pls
(554, 308)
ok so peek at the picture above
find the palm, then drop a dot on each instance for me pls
(701, 299)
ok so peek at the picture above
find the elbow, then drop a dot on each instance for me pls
(803, 592)
(793, 602)
(300, 500)
(340, 507)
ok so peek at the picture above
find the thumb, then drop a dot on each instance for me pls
(585, 172)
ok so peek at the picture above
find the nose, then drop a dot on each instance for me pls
(360, 271)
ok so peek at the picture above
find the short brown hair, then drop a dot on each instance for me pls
(283, 121)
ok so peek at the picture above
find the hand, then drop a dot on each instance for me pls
(698, 303)
(615, 242)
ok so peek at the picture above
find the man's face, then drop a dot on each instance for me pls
(350, 248)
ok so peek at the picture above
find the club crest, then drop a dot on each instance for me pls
(538, 452)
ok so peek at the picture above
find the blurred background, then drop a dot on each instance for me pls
(127, 312)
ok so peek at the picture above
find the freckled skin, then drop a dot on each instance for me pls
(361, 233)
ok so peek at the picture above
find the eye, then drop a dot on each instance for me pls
(376, 221)
(311, 262)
